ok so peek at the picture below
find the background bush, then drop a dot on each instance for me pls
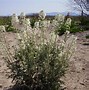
(73, 28)
(5, 20)
(10, 28)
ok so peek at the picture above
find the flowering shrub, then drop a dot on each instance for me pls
(62, 26)
(41, 58)
(68, 25)
(40, 61)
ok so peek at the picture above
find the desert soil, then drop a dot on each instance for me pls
(77, 76)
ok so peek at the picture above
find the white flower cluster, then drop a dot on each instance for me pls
(60, 18)
(22, 23)
(26, 24)
(68, 23)
(58, 21)
(44, 24)
(68, 45)
(42, 15)
(36, 25)
(2, 28)
(14, 19)
(54, 23)
(22, 17)
(22, 37)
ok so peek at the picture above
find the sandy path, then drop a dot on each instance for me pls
(77, 77)
(4, 81)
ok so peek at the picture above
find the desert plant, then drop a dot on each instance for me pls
(5, 20)
(71, 26)
(40, 64)
(10, 28)
(75, 27)
(40, 60)
(60, 30)
(63, 27)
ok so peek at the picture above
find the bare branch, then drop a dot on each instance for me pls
(83, 5)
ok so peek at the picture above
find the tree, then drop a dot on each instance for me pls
(83, 6)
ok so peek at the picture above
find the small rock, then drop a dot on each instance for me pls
(83, 68)
(78, 71)
(1, 85)
(82, 83)
(75, 87)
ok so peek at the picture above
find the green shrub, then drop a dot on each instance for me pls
(33, 20)
(87, 36)
(10, 28)
(73, 28)
(60, 30)
(84, 22)
(5, 20)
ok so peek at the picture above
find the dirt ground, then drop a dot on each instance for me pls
(77, 76)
